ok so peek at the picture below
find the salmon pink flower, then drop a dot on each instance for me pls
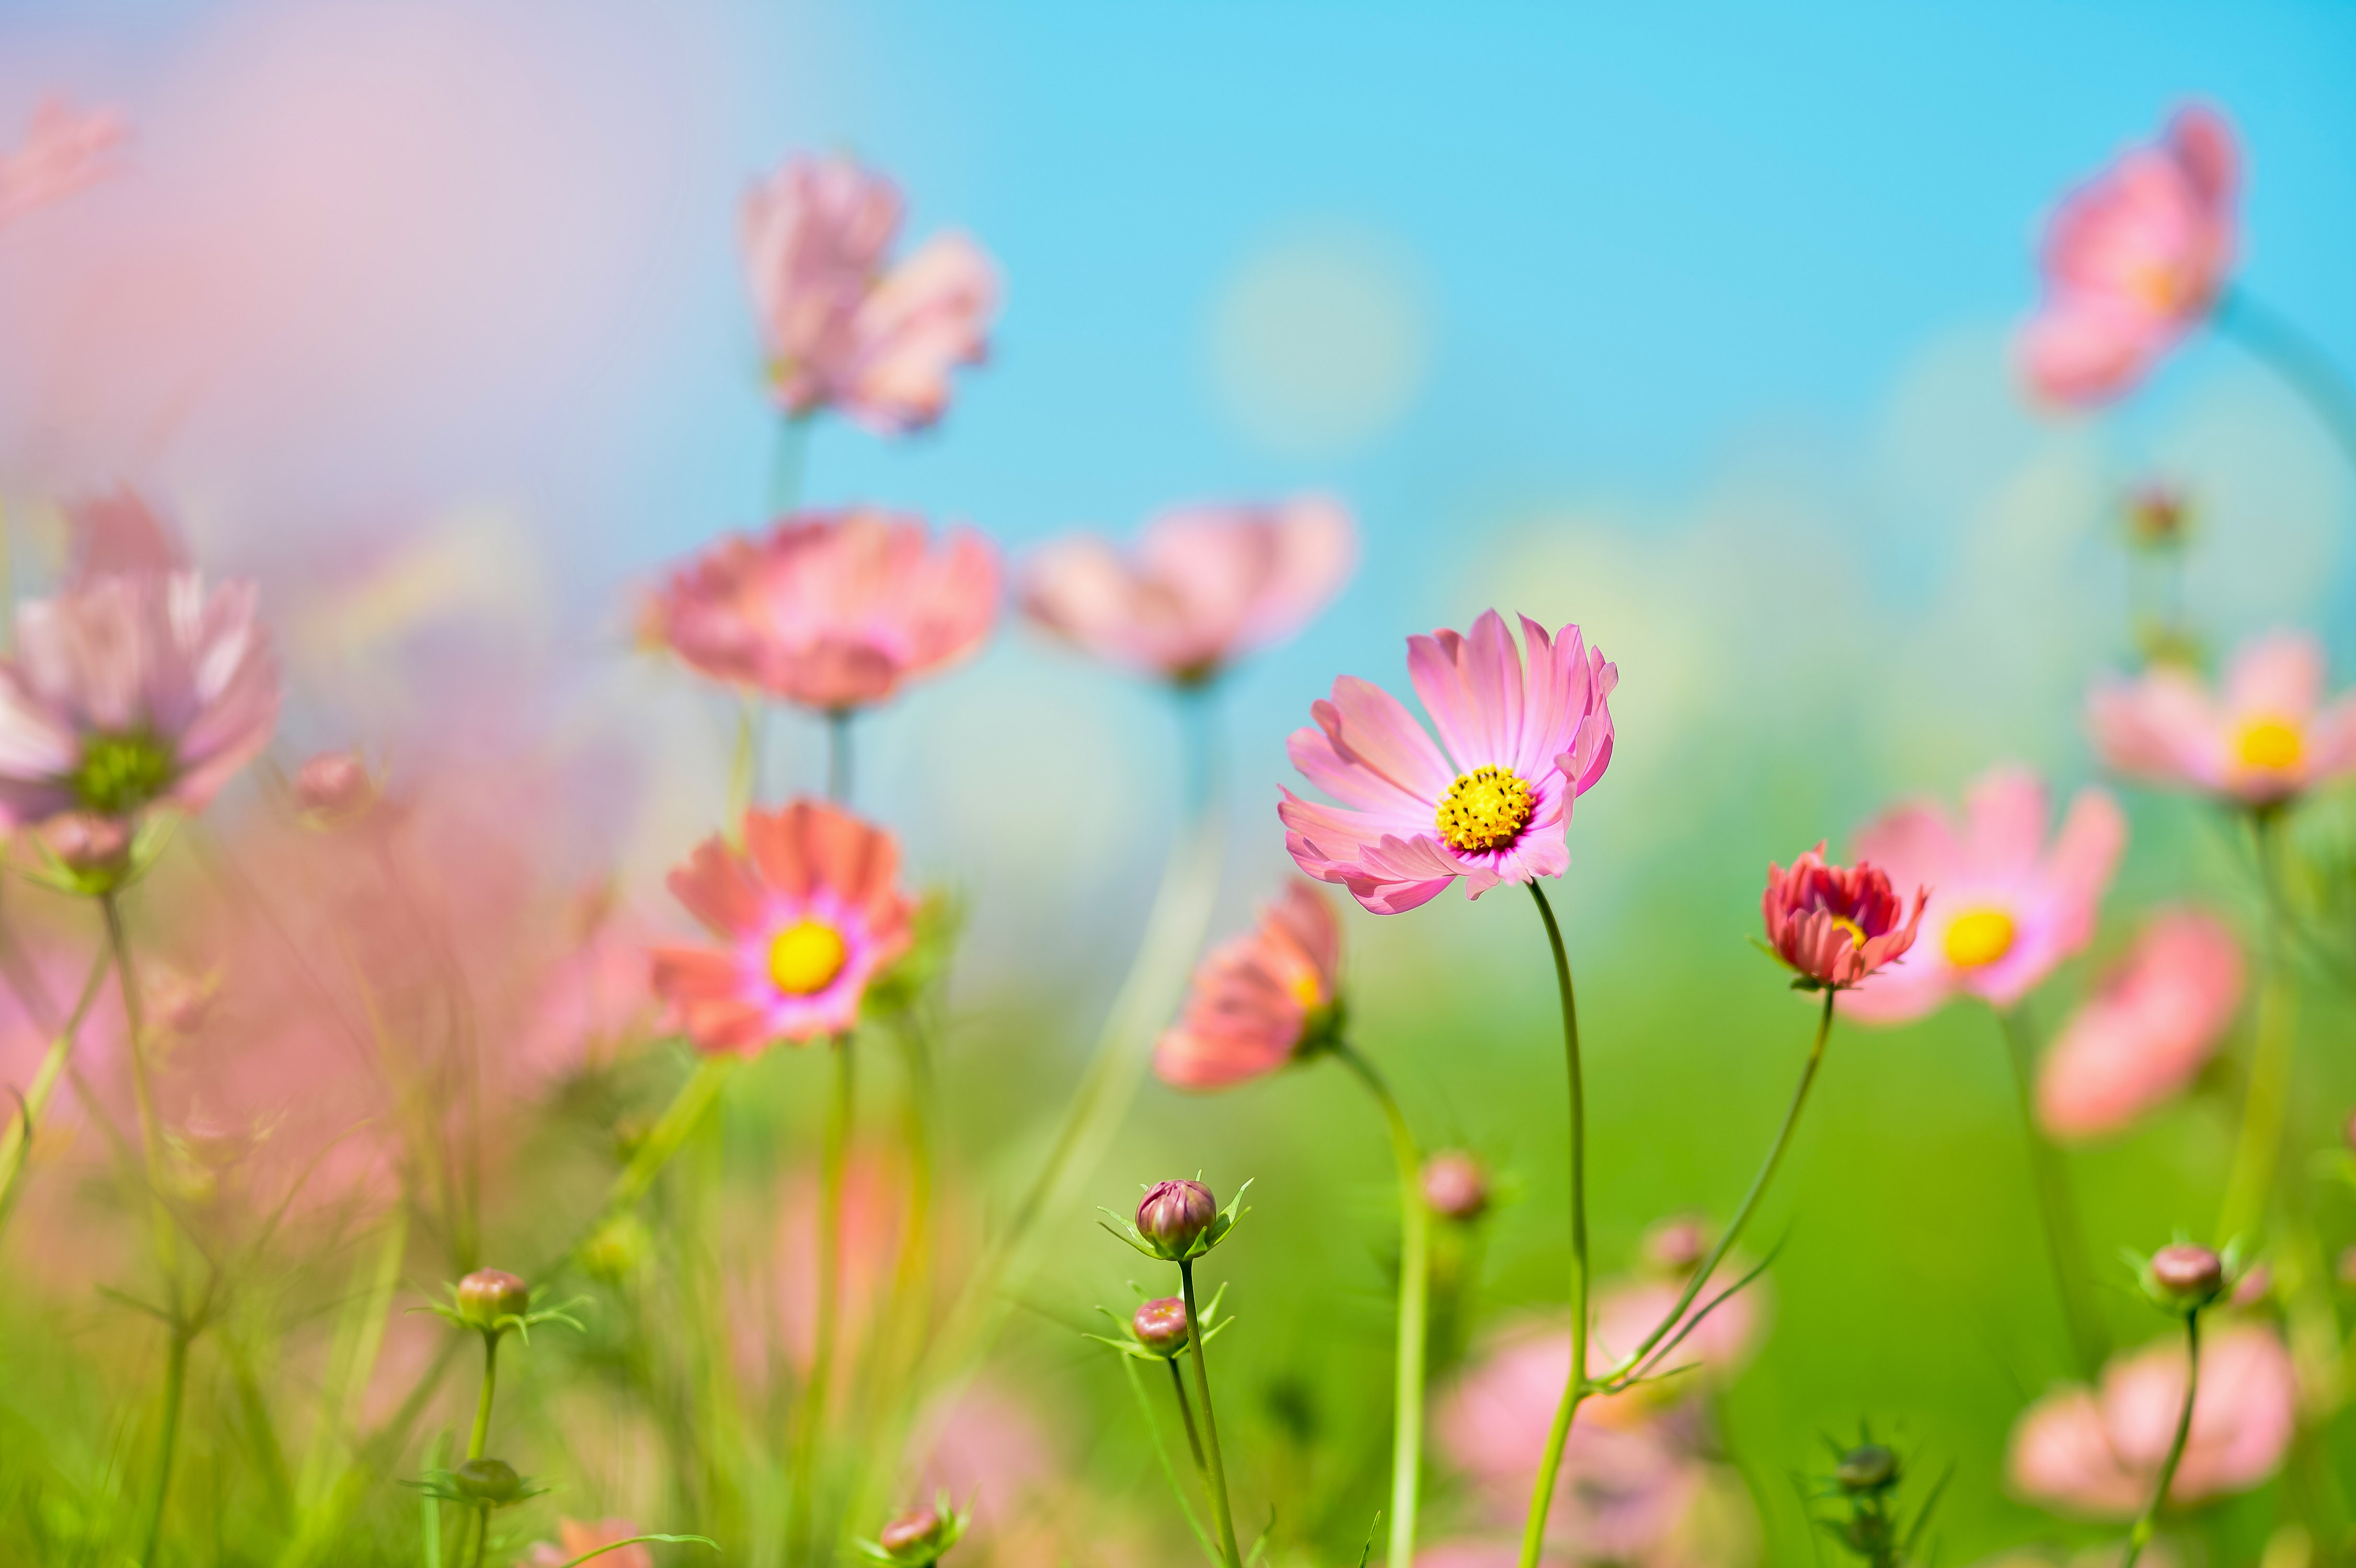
(2153, 1022)
(1203, 585)
(1261, 1000)
(2267, 738)
(1522, 745)
(2010, 907)
(2132, 261)
(2099, 1454)
(843, 329)
(808, 914)
(831, 610)
(1837, 924)
(63, 152)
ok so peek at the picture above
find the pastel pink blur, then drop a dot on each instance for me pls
(1837, 924)
(1543, 721)
(2133, 260)
(843, 327)
(1257, 997)
(2154, 1021)
(2268, 736)
(575, 1538)
(831, 610)
(2099, 1454)
(1201, 586)
(64, 151)
(2011, 906)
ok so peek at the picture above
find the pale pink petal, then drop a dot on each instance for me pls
(2279, 676)
(2154, 1020)
(2006, 810)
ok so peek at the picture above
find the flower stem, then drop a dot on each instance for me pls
(1161, 1450)
(1415, 1284)
(1575, 1386)
(474, 1444)
(838, 756)
(167, 1441)
(789, 457)
(1221, 1515)
(830, 1289)
(2295, 358)
(482, 1533)
(1186, 1415)
(2140, 1536)
(17, 1140)
(654, 1152)
(2257, 1151)
(2065, 1238)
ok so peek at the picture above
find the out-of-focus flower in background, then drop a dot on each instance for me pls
(64, 150)
(2268, 736)
(575, 1539)
(1260, 999)
(2155, 1018)
(1202, 585)
(2133, 260)
(1838, 924)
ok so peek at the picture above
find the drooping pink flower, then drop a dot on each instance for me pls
(809, 913)
(575, 1538)
(2269, 736)
(1837, 924)
(831, 610)
(2133, 260)
(2010, 906)
(1522, 743)
(1202, 585)
(2100, 1454)
(843, 329)
(64, 151)
(2154, 1020)
(1260, 999)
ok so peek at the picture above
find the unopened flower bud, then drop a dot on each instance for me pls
(1677, 1246)
(334, 785)
(2158, 517)
(86, 841)
(492, 1481)
(1455, 1185)
(2187, 1276)
(1161, 1324)
(488, 1295)
(1867, 1467)
(914, 1537)
(1174, 1215)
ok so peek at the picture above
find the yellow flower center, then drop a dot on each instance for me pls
(1979, 938)
(1484, 809)
(806, 957)
(1856, 932)
(2271, 745)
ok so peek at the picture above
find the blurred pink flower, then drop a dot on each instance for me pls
(809, 913)
(844, 330)
(1258, 998)
(831, 610)
(1525, 745)
(63, 152)
(1202, 585)
(2100, 1454)
(574, 1538)
(2009, 905)
(591, 1003)
(2155, 1018)
(1715, 1346)
(117, 534)
(987, 1444)
(1837, 924)
(2270, 737)
(2133, 260)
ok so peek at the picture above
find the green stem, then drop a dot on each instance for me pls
(744, 767)
(1186, 1415)
(1574, 1388)
(482, 1533)
(1161, 1450)
(430, 1504)
(829, 1287)
(838, 756)
(2140, 1536)
(168, 1443)
(1415, 1284)
(789, 457)
(2065, 1238)
(17, 1141)
(151, 1135)
(1221, 1515)
(2295, 358)
(2257, 1151)
(483, 1402)
(654, 1152)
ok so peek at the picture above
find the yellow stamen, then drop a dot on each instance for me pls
(1484, 809)
(1979, 938)
(806, 957)
(1305, 989)
(2271, 745)
(1856, 932)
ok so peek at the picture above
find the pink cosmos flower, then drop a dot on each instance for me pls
(843, 329)
(2269, 737)
(63, 152)
(2132, 261)
(1715, 1346)
(808, 914)
(1837, 924)
(2099, 1454)
(1260, 999)
(574, 1538)
(1522, 745)
(2155, 1019)
(2010, 906)
(117, 534)
(831, 610)
(1203, 585)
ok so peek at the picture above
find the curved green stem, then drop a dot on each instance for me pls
(475, 1444)
(167, 1441)
(1415, 1284)
(2065, 1238)
(2140, 1536)
(2265, 1107)
(830, 1289)
(1574, 1386)
(2295, 358)
(17, 1141)
(654, 1151)
(1221, 1515)
(1161, 1450)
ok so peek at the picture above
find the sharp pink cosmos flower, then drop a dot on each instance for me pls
(1522, 745)
(831, 610)
(2100, 1454)
(575, 1538)
(2155, 1019)
(63, 152)
(1261, 1000)
(1202, 585)
(2133, 260)
(2010, 907)
(809, 913)
(2269, 735)
(843, 329)
(1837, 924)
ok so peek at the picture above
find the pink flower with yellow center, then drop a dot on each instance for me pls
(2267, 737)
(807, 913)
(63, 152)
(2152, 1024)
(844, 328)
(1837, 924)
(1260, 1001)
(2010, 906)
(1523, 741)
(2133, 260)
(1202, 585)
(831, 610)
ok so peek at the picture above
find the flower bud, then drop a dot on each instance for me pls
(1677, 1246)
(492, 1481)
(1161, 1325)
(1174, 1215)
(2187, 1276)
(2158, 517)
(914, 1537)
(1867, 1467)
(334, 785)
(488, 1295)
(1455, 1185)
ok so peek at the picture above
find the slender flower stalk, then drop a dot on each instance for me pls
(1414, 1285)
(17, 1139)
(2257, 1151)
(1161, 1450)
(1221, 1515)
(829, 1301)
(2140, 1537)
(2277, 343)
(1575, 1386)
(481, 1436)
(838, 756)
(2065, 1237)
